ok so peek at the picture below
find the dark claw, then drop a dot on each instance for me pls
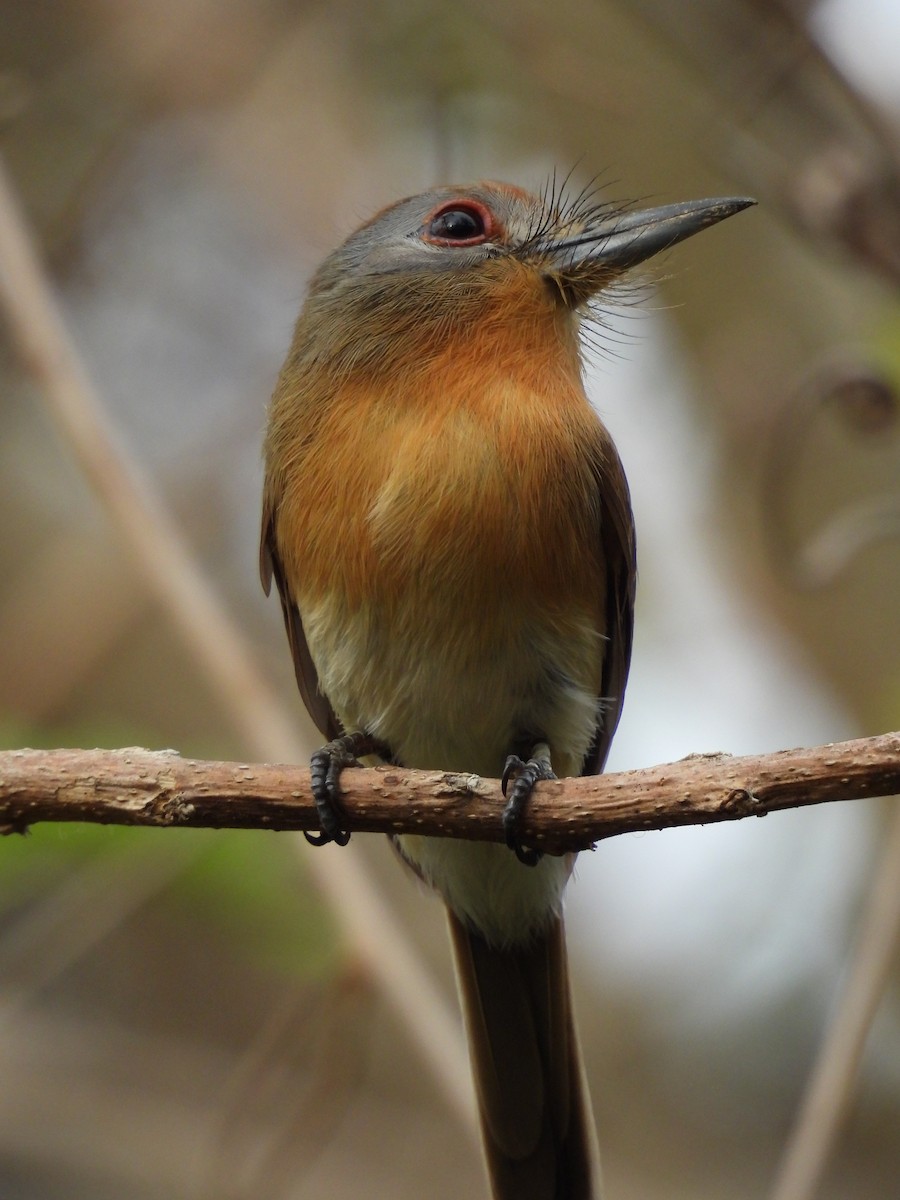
(513, 763)
(527, 775)
(340, 838)
(325, 769)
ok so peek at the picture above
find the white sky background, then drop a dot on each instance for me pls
(862, 37)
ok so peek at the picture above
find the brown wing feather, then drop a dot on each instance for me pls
(617, 546)
(270, 567)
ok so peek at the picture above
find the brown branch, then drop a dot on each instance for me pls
(142, 787)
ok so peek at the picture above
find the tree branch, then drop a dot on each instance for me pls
(143, 787)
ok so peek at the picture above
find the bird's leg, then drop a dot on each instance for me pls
(325, 768)
(527, 774)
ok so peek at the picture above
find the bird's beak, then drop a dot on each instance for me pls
(582, 263)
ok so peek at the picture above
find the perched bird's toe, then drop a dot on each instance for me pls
(526, 774)
(325, 767)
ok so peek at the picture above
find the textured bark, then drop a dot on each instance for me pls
(143, 787)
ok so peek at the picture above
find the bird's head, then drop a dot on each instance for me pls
(448, 258)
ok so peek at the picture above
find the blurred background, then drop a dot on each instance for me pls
(185, 1015)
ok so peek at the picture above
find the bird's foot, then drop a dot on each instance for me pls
(526, 774)
(325, 769)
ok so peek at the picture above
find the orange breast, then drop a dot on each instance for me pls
(472, 471)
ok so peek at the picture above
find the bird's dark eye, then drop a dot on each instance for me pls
(459, 224)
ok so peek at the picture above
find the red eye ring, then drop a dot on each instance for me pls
(463, 222)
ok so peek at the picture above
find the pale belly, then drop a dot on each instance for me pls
(446, 693)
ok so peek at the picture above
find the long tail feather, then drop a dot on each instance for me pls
(536, 1117)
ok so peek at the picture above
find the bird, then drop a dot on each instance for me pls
(449, 528)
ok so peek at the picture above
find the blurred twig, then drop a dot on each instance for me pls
(59, 619)
(830, 1087)
(145, 787)
(867, 401)
(213, 640)
(815, 144)
(160, 552)
(338, 1065)
(300, 1122)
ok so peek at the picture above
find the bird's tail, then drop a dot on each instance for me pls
(536, 1119)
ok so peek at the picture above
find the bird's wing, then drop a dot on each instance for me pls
(270, 566)
(617, 549)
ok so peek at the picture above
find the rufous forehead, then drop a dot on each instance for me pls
(510, 190)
